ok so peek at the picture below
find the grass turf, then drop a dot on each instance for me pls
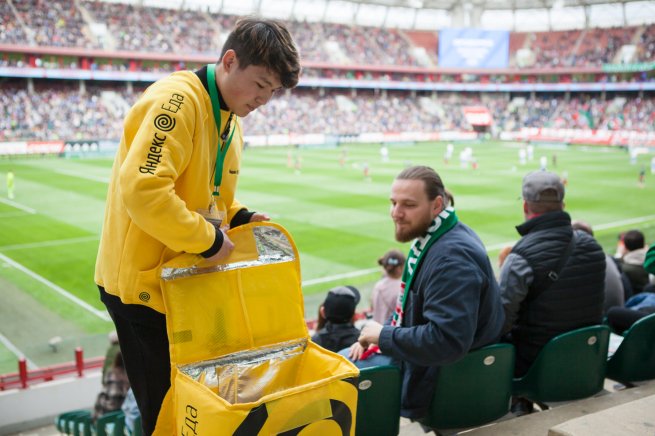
(338, 217)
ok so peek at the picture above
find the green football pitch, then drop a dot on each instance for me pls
(338, 217)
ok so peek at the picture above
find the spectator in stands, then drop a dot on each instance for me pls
(450, 302)
(130, 410)
(614, 293)
(639, 306)
(553, 279)
(110, 355)
(162, 200)
(384, 296)
(338, 309)
(632, 258)
(502, 255)
(114, 388)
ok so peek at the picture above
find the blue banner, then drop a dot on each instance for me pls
(473, 48)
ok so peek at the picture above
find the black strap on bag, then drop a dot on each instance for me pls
(553, 275)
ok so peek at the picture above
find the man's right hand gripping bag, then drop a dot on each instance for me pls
(242, 362)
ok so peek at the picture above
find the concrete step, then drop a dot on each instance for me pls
(540, 423)
(634, 418)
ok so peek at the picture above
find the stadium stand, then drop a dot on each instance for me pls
(362, 79)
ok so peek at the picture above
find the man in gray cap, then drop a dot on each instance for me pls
(553, 279)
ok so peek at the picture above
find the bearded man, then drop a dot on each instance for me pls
(450, 302)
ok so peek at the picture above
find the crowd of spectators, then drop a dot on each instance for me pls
(62, 111)
(134, 27)
(11, 31)
(53, 23)
(59, 112)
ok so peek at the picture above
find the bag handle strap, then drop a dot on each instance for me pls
(553, 275)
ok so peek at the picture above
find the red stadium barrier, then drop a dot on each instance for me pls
(25, 378)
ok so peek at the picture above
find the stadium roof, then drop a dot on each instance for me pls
(517, 15)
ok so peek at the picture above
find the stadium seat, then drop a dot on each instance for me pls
(634, 360)
(569, 367)
(111, 424)
(81, 425)
(378, 402)
(64, 422)
(138, 431)
(474, 390)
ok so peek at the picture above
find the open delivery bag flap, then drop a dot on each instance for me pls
(240, 348)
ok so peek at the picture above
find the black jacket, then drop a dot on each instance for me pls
(573, 301)
(336, 337)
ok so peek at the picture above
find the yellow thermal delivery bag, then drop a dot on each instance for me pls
(241, 358)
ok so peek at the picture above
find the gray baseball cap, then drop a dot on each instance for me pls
(542, 186)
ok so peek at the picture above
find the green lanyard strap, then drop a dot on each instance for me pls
(223, 146)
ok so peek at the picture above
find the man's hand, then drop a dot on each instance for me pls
(370, 334)
(259, 217)
(225, 250)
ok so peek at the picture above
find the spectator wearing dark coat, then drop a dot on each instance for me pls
(553, 279)
(338, 309)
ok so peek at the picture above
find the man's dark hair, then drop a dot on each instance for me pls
(545, 206)
(266, 43)
(433, 184)
(633, 240)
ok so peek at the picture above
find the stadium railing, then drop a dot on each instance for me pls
(24, 377)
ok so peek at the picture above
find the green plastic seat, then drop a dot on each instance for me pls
(64, 422)
(138, 431)
(111, 424)
(81, 425)
(571, 366)
(634, 360)
(378, 401)
(473, 391)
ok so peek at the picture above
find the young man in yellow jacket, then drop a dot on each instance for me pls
(173, 185)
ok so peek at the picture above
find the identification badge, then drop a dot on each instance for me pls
(214, 215)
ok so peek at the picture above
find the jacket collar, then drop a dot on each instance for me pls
(547, 220)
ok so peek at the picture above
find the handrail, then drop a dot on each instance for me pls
(27, 377)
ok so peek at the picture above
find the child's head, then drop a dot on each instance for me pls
(633, 240)
(265, 43)
(340, 303)
(393, 262)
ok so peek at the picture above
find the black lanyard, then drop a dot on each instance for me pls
(223, 146)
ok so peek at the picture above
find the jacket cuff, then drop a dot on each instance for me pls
(240, 218)
(384, 342)
(216, 246)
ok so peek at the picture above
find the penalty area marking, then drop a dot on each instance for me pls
(53, 243)
(58, 289)
(14, 349)
(362, 272)
(17, 205)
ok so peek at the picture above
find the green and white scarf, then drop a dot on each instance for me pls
(445, 221)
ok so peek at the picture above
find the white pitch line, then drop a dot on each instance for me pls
(17, 205)
(7, 343)
(83, 304)
(12, 214)
(625, 222)
(361, 272)
(83, 176)
(605, 226)
(53, 243)
(489, 248)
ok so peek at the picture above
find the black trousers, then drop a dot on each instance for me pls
(144, 345)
